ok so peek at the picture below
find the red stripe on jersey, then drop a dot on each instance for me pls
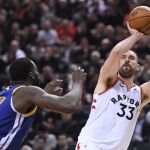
(94, 101)
(78, 146)
(93, 107)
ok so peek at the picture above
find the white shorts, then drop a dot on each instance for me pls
(87, 146)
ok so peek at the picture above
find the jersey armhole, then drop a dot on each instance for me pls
(108, 88)
(13, 108)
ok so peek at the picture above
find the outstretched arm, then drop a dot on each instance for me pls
(32, 96)
(111, 66)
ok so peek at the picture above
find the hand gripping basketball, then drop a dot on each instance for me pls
(139, 19)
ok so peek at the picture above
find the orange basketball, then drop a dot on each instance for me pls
(139, 19)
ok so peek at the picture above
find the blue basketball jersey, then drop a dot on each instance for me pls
(13, 125)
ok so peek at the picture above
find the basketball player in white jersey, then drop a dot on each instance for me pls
(117, 101)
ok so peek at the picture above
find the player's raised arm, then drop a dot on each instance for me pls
(65, 104)
(111, 66)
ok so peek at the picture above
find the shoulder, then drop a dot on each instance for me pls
(28, 91)
(145, 92)
(146, 88)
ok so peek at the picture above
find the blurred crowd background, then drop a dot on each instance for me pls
(57, 34)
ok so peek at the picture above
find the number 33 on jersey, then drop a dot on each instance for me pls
(113, 112)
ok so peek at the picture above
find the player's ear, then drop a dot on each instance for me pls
(138, 67)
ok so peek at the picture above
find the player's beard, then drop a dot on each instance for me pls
(36, 81)
(126, 71)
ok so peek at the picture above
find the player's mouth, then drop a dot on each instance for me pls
(126, 67)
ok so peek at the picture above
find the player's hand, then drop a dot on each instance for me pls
(78, 74)
(53, 87)
(135, 32)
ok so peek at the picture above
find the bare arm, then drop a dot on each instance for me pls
(65, 104)
(145, 93)
(32, 95)
(111, 66)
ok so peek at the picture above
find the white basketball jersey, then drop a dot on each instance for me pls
(113, 117)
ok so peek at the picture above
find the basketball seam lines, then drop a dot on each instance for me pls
(142, 9)
(140, 17)
(144, 26)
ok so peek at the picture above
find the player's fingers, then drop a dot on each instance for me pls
(55, 82)
(127, 24)
(59, 89)
(58, 81)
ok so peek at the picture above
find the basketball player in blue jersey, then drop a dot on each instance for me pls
(117, 100)
(19, 101)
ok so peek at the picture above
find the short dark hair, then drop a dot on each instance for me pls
(20, 69)
(135, 54)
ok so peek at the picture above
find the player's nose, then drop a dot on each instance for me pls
(127, 60)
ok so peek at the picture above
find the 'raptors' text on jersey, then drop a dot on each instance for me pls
(113, 117)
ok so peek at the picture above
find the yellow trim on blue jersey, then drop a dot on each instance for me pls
(31, 112)
(7, 88)
(14, 91)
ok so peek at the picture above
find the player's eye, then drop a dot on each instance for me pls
(123, 57)
(132, 57)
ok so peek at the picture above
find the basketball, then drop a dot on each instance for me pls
(139, 19)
